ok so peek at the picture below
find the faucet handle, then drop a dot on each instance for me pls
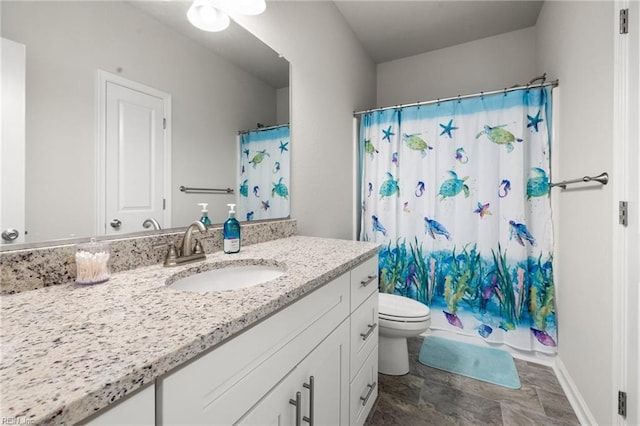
(197, 247)
(172, 255)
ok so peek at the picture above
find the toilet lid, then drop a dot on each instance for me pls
(392, 305)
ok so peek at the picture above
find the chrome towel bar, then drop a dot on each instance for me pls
(188, 190)
(602, 178)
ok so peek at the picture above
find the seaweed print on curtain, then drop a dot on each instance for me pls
(458, 195)
(264, 174)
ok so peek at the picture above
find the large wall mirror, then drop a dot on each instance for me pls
(215, 86)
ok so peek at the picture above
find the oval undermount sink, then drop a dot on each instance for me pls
(228, 276)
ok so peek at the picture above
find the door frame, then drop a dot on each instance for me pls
(13, 154)
(626, 239)
(102, 78)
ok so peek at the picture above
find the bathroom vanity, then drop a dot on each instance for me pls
(299, 349)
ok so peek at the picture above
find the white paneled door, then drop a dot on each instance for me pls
(136, 171)
(12, 143)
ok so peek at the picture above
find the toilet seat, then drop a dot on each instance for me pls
(396, 308)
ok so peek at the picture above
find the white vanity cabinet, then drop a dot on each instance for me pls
(294, 368)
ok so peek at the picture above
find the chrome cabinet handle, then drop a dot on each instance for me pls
(10, 234)
(297, 403)
(365, 398)
(311, 398)
(366, 335)
(369, 280)
(115, 223)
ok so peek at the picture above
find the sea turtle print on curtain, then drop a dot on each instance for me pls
(457, 193)
(264, 174)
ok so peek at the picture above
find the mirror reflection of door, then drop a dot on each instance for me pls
(12, 143)
(136, 139)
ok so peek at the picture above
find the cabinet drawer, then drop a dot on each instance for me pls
(364, 390)
(364, 281)
(364, 332)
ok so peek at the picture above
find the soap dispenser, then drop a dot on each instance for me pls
(205, 214)
(231, 232)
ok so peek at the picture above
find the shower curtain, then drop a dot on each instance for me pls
(264, 173)
(457, 193)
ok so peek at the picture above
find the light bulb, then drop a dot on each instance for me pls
(203, 15)
(208, 13)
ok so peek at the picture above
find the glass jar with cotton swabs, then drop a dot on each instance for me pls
(92, 262)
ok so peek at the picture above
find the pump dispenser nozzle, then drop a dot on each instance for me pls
(232, 212)
(205, 216)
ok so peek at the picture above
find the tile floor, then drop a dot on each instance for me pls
(427, 396)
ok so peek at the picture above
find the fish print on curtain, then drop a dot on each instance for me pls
(458, 195)
(264, 174)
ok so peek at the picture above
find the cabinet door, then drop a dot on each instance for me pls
(275, 409)
(321, 379)
(328, 365)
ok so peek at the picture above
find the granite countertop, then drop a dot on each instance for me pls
(68, 351)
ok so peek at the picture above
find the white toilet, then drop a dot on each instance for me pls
(399, 317)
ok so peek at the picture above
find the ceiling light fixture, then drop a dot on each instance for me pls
(213, 15)
(204, 15)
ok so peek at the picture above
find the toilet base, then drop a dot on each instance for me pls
(393, 356)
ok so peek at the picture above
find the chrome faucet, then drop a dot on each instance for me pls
(151, 222)
(190, 251)
(187, 244)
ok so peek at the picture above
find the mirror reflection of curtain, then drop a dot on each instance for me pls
(264, 173)
(457, 193)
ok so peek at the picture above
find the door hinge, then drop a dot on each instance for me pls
(622, 403)
(623, 213)
(624, 21)
(164, 124)
(164, 204)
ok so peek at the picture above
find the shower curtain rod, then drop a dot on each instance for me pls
(453, 98)
(241, 132)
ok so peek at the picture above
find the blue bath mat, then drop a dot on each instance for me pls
(487, 364)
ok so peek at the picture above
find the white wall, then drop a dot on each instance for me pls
(331, 76)
(575, 41)
(482, 65)
(66, 43)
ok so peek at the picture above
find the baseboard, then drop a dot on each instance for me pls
(573, 395)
